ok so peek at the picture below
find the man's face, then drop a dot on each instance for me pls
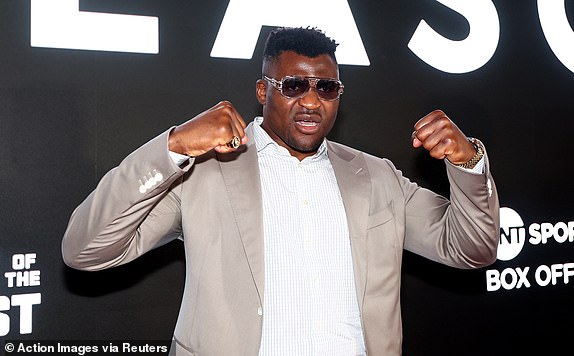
(300, 124)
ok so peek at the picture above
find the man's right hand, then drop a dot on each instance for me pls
(211, 129)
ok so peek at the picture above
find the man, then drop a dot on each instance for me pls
(293, 242)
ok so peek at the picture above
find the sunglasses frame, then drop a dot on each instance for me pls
(278, 84)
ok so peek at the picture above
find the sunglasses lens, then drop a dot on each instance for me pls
(295, 87)
(328, 89)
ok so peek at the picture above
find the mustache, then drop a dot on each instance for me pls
(310, 112)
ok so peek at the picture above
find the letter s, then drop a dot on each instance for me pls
(460, 56)
(4, 319)
(557, 30)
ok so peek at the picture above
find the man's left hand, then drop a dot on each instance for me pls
(442, 138)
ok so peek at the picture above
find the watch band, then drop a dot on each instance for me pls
(477, 157)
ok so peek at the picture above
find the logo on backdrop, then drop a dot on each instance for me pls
(19, 307)
(61, 24)
(514, 236)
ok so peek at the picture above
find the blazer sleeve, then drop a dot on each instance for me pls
(462, 232)
(134, 208)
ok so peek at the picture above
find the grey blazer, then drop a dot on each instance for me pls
(214, 204)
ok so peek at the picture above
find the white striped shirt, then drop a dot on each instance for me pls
(310, 304)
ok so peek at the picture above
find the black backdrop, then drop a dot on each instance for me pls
(68, 116)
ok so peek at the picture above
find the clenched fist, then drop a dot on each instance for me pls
(442, 138)
(211, 129)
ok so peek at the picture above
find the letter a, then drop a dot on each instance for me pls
(243, 20)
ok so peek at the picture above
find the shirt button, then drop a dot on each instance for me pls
(259, 311)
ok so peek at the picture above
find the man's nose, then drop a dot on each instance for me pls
(310, 100)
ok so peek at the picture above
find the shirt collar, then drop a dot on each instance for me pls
(264, 142)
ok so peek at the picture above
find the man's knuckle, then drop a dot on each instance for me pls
(223, 130)
(226, 106)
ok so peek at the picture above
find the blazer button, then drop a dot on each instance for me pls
(142, 188)
(158, 176)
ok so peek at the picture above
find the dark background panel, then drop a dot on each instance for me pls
(67, 117)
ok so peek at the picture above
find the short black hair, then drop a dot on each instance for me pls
(310, 42)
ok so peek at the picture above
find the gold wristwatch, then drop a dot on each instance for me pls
(477, 157)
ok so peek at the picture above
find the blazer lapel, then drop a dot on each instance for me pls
(240, 171)
(355, 187)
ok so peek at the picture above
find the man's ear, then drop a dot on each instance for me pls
(261, 91)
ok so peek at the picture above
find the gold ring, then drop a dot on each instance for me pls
(234, 143)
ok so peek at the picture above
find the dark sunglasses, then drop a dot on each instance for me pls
(296, 87)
